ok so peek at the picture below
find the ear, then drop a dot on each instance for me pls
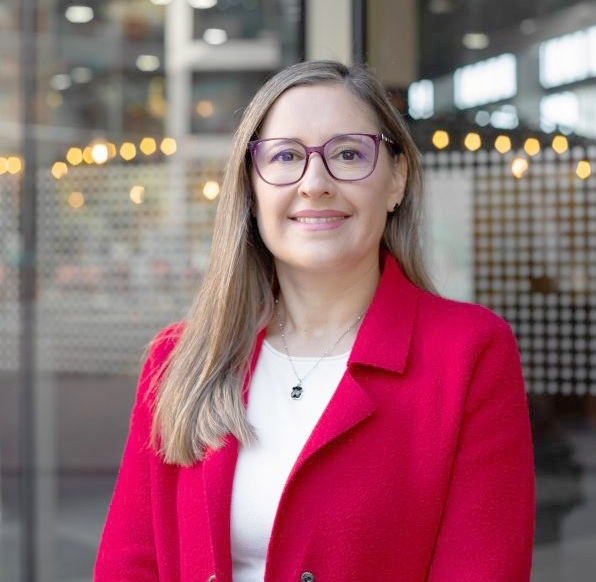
(398, 182)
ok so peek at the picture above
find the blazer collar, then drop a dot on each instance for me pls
(386, 331)
(383, 341)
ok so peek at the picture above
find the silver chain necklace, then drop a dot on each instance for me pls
(296, 393)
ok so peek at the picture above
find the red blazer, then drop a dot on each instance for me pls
(420, 469)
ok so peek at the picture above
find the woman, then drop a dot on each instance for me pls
(323, 415)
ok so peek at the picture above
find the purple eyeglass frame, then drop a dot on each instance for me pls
(377, 138)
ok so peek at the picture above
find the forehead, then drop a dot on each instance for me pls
(312, 112)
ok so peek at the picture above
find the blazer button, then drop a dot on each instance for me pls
(307, 577)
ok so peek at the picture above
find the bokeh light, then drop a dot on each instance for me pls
(440, 139)
(168, 146)
(128, 151)
(532, 146)
(560, 144)
(519, 167)
(211, 190)
(473, 141)
(74, 156)
(59, 170)
(148, 146)
(583, 170)
(503, 144)
(76, 200)
(137, 194)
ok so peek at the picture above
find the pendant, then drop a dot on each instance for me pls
(296, 392)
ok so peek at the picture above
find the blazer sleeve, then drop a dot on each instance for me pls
(487, 529)
(126, 550)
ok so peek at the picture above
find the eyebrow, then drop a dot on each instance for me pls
(373, 132)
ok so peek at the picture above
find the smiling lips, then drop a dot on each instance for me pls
(318, 219)
(318, 216)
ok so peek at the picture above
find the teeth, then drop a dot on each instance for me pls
(318, 220)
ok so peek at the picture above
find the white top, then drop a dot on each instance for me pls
(283, 426)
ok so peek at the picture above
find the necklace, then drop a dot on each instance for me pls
(296, 393)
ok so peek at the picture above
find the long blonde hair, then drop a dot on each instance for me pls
(199, 399)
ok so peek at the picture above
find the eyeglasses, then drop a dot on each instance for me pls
(347, 157)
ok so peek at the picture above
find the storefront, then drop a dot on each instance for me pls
(117, 119)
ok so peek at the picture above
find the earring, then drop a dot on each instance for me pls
(396, 208)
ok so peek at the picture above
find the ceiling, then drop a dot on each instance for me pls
(444, 24)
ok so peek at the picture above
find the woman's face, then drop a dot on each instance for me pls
(320, 224)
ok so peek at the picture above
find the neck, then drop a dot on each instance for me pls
(315, 312)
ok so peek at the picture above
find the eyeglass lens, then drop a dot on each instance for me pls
(347, 157)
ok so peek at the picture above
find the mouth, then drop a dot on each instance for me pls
(318, 219)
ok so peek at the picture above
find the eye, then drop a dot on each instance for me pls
(284, 156)
(281, 152)
(350, 149)
(349, 155)
(346, 153)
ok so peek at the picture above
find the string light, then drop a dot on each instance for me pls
(111, 150)
(148, 146)
(519, 167)
(168, 146)
(560, 144)
(15, 165)
(473, 141)
(583, 170)
(137, 194)
(100, 153)
(87, 156)
(503, 144)
(532, 146)
(74, 156)
(440, 139)
(211, 190)
(59, 170)
(128, 151)
(11, 165)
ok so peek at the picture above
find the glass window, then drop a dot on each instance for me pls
(219, 98)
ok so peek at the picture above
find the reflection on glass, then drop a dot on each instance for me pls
(220, 97)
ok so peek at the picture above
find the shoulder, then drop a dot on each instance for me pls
(164, 342)
(158, 354)
(460, 313)
(430, 313)
(429, 324)
(464, 324)
(474, 351)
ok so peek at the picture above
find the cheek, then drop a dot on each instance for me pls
(267, 225)
(265, 210)
(261, 226)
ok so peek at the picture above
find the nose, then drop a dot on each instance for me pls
(316, 180)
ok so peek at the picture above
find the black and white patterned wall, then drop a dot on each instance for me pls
(120, 252)
(9, 261)
(531, 254)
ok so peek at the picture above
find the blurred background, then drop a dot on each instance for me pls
(116, 118)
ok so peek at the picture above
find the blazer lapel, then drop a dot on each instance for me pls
(349, 406)
(383, 342)
(218, 475)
